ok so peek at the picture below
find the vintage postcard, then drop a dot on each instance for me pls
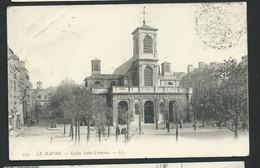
(154, 165)
(128, 81)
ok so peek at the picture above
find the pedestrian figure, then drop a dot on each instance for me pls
(117, 132)
(124, 131)
(167, 125)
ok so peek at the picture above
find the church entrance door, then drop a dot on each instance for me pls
(149, 112)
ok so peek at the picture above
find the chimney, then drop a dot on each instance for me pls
(201, 65)
(190, 68)
(96, 68)
(39, 85)
(166, 68)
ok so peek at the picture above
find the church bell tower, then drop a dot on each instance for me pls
(145, 41)
(145, 67)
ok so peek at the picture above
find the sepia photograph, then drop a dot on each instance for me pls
(238, 164)
(128, 81)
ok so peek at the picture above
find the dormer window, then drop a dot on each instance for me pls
(148, 44)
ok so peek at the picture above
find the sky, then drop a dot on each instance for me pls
(59, 42)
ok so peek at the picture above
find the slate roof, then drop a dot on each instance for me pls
(144, 27)
(103, 76)
(124, 68)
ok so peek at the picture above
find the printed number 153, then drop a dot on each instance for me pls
(25, 154)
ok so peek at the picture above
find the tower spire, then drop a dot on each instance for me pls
(144, 13)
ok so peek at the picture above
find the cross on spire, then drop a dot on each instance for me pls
(144, 13)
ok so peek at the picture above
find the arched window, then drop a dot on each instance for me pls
(148, 76)
(148, 44)
(97, 83)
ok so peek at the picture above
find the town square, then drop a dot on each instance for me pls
(158, 83)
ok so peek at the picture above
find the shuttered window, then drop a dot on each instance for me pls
(148, 44)
(148, 76)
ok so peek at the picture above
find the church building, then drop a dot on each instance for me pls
(149, 92)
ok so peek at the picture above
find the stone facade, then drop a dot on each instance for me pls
(19, 92)
(42, 100)
(148, 92)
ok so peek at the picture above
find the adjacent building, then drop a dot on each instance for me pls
(148, 91)
(42, 100)
(19, 92)
(202, 77)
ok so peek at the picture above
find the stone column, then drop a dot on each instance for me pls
(140, 75)
(155, 46)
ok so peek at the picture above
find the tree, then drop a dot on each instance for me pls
(84, 108)
(220, 94)
(234, 90)
(125, 118)
(109, 117)
(68, 107)
(63, 92)
(100, 112)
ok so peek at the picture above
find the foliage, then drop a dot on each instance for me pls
(62, 93)
(223, 99)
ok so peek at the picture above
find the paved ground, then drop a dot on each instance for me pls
(208, 141)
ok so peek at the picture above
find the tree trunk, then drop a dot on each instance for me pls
(139, 124)
(194, 125)
(64, 131)
(168, 125)
(219, 122)
(177, 131)
(88, 131)
(72, 130)
(78, 131)
(180, 120)
(127, 129)
(156, 123)
(99, 135)
(203, 117)
(117, 131)
(236, 125)
(108, 130)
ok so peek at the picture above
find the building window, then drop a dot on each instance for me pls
(148, 76)
(113, 83)
(169, 83)
(97, 83)
(148, 44)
